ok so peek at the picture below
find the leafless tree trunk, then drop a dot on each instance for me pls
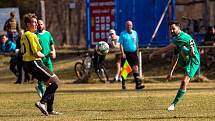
(79, 22)
(66, 24)
(61, 14)
(206, 13)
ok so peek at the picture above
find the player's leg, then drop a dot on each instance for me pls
(40, 88)
(50, 101)
(181, 92)
(41, 72)
(40, 85)
(50, 108)
(52, 83)
(190, 72)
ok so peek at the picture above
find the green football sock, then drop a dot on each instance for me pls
(179, 95)
(41, 86)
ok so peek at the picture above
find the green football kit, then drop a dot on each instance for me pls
(45, 40)
(189, 63)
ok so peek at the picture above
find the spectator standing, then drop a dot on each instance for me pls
(113, 40)
(206, 52)
(48, 49)
(11, 27)
(31, 51)
(209, 39)
(129, 48)
(186, 54)
(23, 75)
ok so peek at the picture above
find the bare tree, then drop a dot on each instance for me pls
(66, 24)
(206, 13)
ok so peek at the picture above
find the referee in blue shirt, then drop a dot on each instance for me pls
(129, 47)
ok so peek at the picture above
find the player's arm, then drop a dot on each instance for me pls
(53, 52)
(39, 54)
(192, 51)
(163, 50)
(173, 65)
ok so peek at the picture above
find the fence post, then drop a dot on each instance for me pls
(140, 63)
(199, 70)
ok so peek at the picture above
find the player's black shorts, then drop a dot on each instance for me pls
(132, 58)
(38, 70)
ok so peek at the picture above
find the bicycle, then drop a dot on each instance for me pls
(83, 69)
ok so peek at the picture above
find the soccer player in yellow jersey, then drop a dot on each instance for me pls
(31, 51)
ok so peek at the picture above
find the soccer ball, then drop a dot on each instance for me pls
(102, 48)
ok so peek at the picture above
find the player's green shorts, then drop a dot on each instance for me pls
(48, 62)
(192, 67)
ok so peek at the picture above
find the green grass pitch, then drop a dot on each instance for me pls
(107, 102)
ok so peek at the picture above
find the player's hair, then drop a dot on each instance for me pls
(174, 22)
(28, 17)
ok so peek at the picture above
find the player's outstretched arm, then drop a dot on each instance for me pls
(162, 50)
(173, 65)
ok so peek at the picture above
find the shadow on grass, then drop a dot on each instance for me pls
(145, 118)
(105, 90)
(126, 90)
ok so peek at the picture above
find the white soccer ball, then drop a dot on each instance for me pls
(102, 48)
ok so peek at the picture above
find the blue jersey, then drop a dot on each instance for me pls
(129, 41)
(9, 46)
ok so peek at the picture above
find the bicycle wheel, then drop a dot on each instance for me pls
(102, 74)
(80, 71)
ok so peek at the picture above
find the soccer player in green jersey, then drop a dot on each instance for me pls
(48, 49)
(186, 54)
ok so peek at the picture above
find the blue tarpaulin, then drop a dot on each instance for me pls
(145, 15)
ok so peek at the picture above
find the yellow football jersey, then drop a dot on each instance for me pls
(30, 46)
